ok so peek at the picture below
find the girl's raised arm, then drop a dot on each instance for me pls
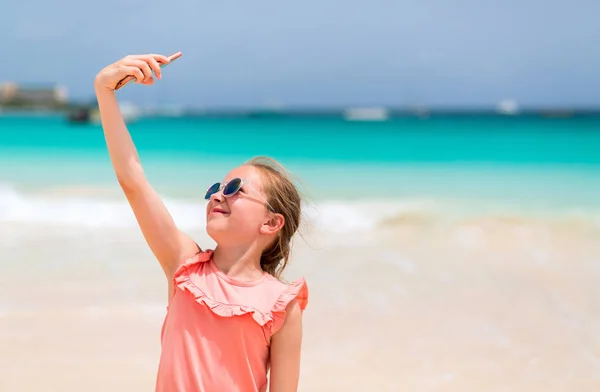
(170, 246)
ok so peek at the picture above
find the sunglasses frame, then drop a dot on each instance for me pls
(243, 181)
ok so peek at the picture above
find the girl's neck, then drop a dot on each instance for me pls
(241, 263)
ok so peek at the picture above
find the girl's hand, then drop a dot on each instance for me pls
(138, 66)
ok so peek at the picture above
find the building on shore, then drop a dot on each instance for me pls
(42, 97)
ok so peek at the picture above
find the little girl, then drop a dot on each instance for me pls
(229, 320)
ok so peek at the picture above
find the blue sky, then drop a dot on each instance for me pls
(459, 53)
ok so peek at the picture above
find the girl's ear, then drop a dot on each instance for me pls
(274, 223)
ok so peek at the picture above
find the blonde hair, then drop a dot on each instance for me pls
(284, 198)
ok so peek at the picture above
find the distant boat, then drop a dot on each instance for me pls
(79, 115)
(508, 107)
(91, 115)
(366, 114)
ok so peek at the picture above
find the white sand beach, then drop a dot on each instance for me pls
(474, 305)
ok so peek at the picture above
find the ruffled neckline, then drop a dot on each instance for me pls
(273, 319)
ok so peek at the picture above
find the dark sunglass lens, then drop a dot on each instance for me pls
(232, 187)
(212, 190)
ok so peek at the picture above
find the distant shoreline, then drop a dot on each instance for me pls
(258, 113)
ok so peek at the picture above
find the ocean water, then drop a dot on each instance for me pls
(442, 254)
(358, 174)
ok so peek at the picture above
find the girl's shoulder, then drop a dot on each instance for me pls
(294, 291)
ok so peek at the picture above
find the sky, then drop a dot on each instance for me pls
(310, 53)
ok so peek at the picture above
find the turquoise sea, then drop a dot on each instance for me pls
(516, 164)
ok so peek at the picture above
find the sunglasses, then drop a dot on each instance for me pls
(232, 187)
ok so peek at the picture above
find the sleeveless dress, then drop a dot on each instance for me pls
(217, 331)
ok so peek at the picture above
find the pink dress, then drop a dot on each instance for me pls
(217, 331)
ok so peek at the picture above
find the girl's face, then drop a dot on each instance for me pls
(242, 217)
